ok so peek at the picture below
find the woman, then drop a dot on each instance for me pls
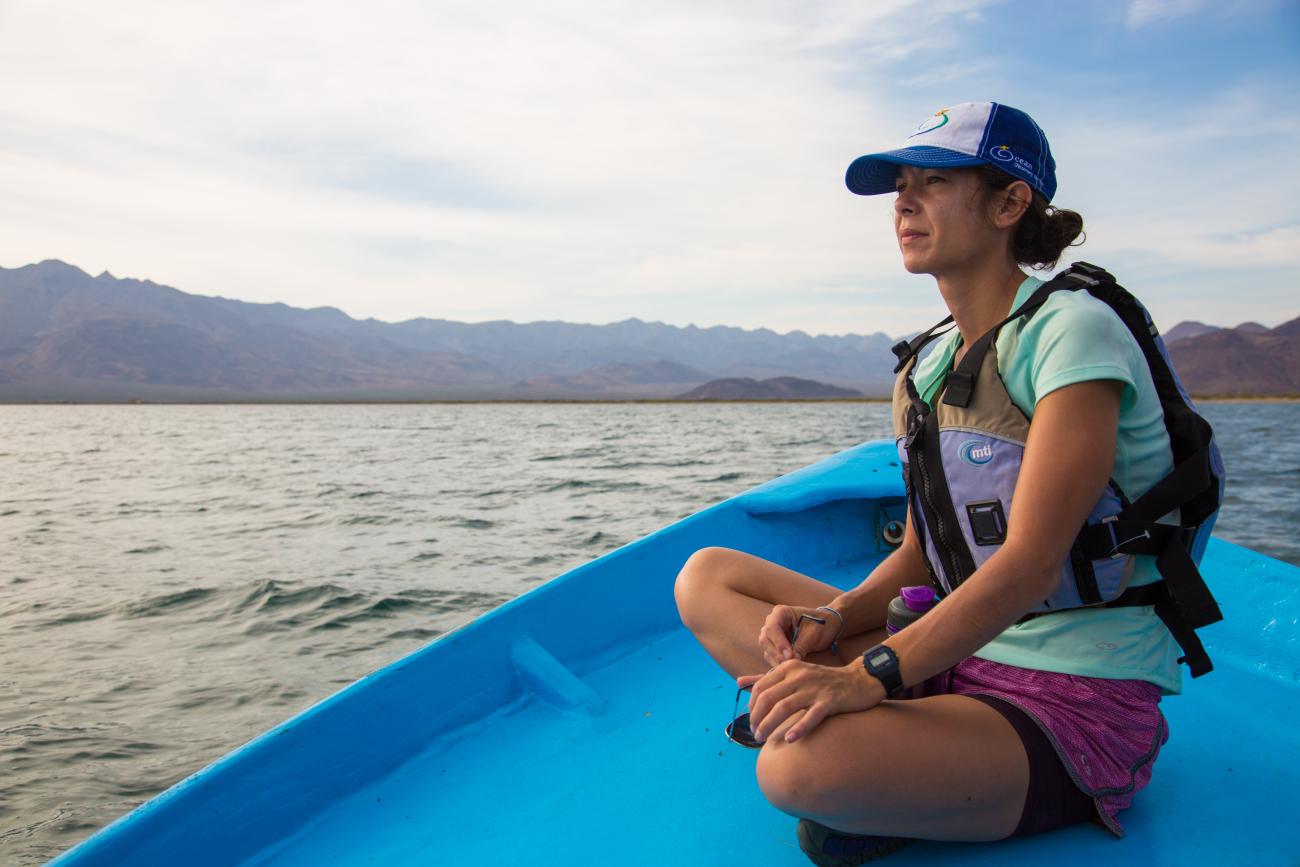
(1041, 722)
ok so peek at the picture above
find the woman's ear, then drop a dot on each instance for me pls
(1012, 204)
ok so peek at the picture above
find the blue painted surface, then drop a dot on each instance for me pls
(580, 724)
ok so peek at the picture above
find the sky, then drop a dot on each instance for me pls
(595, 160)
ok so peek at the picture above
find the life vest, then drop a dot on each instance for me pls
(961, 458)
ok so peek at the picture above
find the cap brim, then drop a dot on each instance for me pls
(874, 174)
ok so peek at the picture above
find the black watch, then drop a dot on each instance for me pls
(882, 664)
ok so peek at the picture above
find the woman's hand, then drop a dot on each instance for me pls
(818, 690)
(792, 632)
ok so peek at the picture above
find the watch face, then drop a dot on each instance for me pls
(879, 658)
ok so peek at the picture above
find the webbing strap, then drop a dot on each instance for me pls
(930, 484)
(1186, 603)
(1166, 608)
(1187, 480)
(910, 475)
(1186, 587)
(960, 385)
(955, 556)
(1168, 544)
(1147, 594)
(906, 350)
(913, 503)
(1085, 577)
(1198, 661)
(928, 518)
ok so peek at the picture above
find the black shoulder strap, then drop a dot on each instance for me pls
(1182, 599)
(926, 481)
(1189, 434)
(961, 381)
(906, 350)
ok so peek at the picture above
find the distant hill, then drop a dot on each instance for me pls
(1184, 330)
(777, 388)
(1247, 361)
(65, 335)
(651, 375)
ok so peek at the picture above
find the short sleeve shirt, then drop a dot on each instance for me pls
(1075, 338)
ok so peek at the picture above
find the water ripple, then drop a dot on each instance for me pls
(180, 578)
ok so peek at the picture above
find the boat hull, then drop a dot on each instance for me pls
(581, 724)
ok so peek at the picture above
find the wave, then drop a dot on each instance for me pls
(472, 523)
(166, 603)
(149, 549)
(637, 465)
(363, 520)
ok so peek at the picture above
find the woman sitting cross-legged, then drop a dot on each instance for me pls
(1029, 723)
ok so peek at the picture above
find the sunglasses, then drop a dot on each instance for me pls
(738, 730)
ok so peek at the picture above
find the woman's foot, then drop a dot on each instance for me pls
(827, 847)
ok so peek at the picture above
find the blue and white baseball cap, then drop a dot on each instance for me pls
(969, 134)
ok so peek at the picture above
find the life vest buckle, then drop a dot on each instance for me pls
(1081, 279)
(914, 426)
(1110, 521)
(903, 351)
(1115, 542)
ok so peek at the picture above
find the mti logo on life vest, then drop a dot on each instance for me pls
(975, 452)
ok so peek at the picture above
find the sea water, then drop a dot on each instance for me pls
(176, 579)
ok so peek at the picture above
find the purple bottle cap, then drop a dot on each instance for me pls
(919, 598)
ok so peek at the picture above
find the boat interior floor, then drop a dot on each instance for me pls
(638, 771)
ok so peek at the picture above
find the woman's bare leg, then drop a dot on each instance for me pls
(947, 767)
(724, 596)
(941, 768)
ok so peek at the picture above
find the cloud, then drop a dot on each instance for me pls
(579, 160)
(503, 160)
(1142, 13)
(1171, 241)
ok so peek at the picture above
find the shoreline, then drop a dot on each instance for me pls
(439, 401)
(542, 401)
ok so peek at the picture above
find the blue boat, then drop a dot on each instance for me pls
(581, 724)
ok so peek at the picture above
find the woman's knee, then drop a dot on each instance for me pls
(789, 780)
(805, 782)
(704, 571)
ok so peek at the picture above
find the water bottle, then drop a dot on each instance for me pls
(905, 609)
(908, 607)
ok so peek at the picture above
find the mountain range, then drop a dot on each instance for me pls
(65, 335)
(1247, 361)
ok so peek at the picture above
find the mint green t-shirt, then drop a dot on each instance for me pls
(1076, 338)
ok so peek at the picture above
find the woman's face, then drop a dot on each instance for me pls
(940, 220)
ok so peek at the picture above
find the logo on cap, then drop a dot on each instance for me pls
(930, 124)
(1004, 154)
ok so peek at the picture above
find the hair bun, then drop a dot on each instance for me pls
(1044, 233)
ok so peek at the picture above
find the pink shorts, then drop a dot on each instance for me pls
(1107, 733)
